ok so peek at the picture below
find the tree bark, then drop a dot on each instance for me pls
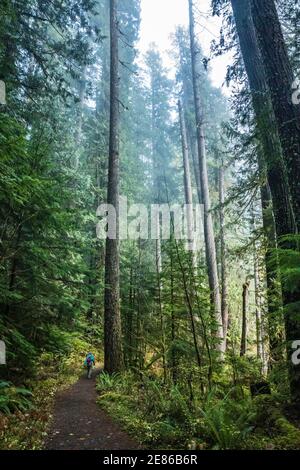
(81, 89)
(274, 165)
(274, 291)
(260, 350)
(270, 79)
(210, 246)
(194, 153)
(224, 281)
(159, 295)
(128, 334)
(187, 185)
(113, 355)
(280, 79)
(259, 338)
(244, 319)
(174, 359)
(187, 93)
(189, 306)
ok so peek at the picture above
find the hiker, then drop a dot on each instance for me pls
(89, 363)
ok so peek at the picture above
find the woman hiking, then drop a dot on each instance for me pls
(89, 363)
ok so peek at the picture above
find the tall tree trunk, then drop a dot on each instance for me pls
(160, 306)
(265, 118)
(244, 318)
(139, 339)
(194, 153)
(187, 185)
(258, 309)
(224, 282)
(173, 323)
(210, 246)
(189, 306)
(268, 69)
(113, 356)
(280, 79)
(274, 292)
(128, 333)
(190, 128)
(81, 89)
(260, 344)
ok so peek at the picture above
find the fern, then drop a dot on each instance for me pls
(107, 382)
(226, 422)
(14, 398)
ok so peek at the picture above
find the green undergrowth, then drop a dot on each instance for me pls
(163, 416)
(27, 411)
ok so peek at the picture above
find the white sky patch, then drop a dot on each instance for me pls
(159, 20)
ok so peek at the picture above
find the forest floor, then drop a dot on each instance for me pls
(80, 424)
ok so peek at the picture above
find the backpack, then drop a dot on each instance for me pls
(89, 360)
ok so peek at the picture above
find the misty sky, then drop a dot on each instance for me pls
(159, 19)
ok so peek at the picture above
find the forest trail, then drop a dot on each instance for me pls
(80, 424)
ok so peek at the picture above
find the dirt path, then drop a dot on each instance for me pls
(80, 424)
